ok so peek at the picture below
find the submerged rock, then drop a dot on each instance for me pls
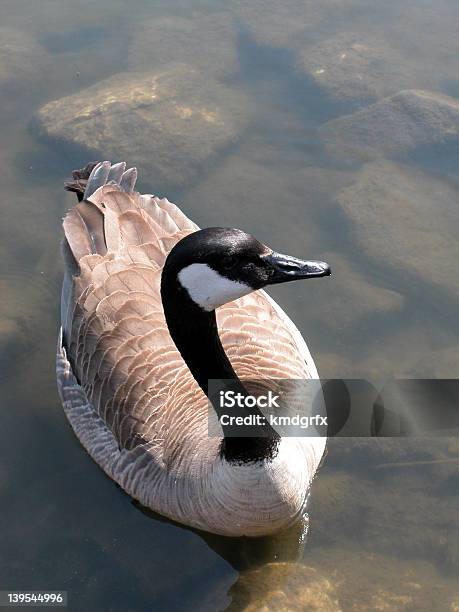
(169, 124)
(370, 581)
(283, 587)
(394, 127)
(262, 188)
(401, 511)
(406, 220)
(354, 296)
(250, 189)
(206, 41)
(344, 577)
(354, 68)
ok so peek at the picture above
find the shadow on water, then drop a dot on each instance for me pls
(247, 553)
(253, 558)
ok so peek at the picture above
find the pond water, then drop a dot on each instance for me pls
(335, 138)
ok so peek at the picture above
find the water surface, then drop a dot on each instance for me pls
(383, 516)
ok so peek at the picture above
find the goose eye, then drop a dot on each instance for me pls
(228, 262)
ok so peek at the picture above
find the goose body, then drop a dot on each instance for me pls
(134, 393)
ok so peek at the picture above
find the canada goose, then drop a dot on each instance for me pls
(142, 281)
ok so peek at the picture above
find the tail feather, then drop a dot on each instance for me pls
(78, 182)
(87, 180)
(84, 224)
(116, 173)
(109, 223)
(128, 180)
(97, 178)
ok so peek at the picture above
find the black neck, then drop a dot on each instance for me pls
(195, 334)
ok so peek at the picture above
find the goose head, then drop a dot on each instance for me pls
(218, 265)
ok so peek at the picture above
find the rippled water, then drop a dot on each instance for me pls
(383, 515)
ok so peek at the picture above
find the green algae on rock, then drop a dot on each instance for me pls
(394, 127)
(206, 41)
(168, 124)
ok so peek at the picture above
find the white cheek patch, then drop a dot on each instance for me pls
(208, 289)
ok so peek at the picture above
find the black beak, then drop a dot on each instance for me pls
(285, 268)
